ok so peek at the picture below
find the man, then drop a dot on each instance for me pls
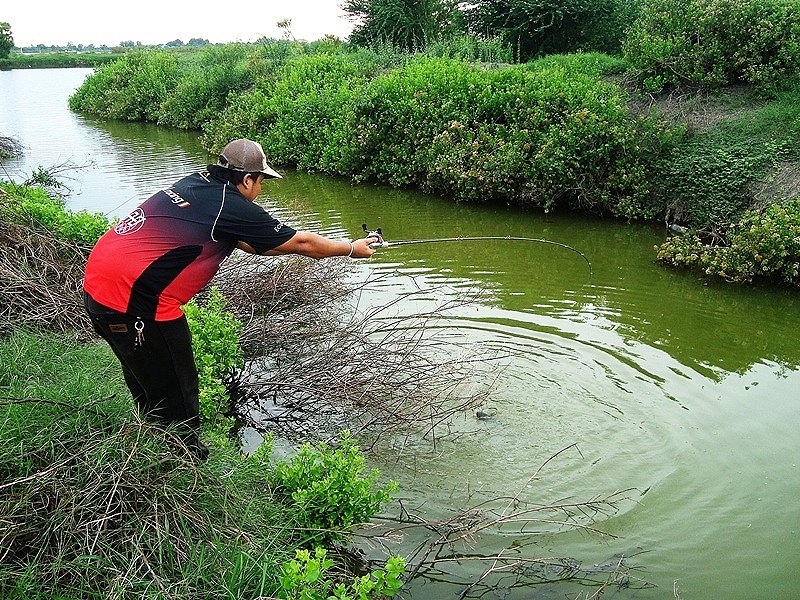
(157, 258)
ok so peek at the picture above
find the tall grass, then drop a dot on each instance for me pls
(97, 504)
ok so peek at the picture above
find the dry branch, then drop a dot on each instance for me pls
(450, 543)
(41, 276)
(318, 363)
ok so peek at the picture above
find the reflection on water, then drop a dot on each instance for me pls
(118, 164)
(680, 388)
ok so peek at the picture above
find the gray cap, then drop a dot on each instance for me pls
(246, 155)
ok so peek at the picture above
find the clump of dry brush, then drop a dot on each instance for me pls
(41, 275)
(318, 361)
(95, 504)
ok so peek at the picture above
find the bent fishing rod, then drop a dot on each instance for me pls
(381, 243)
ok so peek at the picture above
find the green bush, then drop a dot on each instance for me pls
(305, 578)
(299, 115)
(203, 89)
(528, 136)
(542, 135)
(760, 246)
(711, 43)
(82, 227)
(132, 88)
(328, 489)
(215, 342)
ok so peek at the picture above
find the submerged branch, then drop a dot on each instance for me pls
(320, 363)
(469, 536)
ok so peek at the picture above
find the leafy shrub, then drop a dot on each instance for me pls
(215, 342)
(327, 487)
(299, 116)
(711, 43)
(536, 137)
(305, 578)
(203, 88)
(761, 245)
(82, 227)
(132, 88)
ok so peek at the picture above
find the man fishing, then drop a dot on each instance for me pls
(143, 270)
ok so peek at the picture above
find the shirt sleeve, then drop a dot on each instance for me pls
(243, 221)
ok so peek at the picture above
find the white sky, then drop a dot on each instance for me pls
(98, 22)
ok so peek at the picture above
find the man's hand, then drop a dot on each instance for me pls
(362, 249)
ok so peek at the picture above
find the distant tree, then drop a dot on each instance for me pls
(6, 40)
(538, 27)
(127, 44)
(174, 44)
(198, 42)
(407, 24)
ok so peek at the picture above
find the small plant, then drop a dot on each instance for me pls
(328, 487)
(760, 246)
(215, 341)
(82, 227)
(305, 578)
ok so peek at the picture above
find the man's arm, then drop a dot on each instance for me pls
(314, 245)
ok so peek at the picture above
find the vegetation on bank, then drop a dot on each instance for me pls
(57, 60)
(712, 43)
(96, 502)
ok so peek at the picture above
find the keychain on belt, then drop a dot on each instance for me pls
(139, 327)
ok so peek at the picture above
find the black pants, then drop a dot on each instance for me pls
(157, 363)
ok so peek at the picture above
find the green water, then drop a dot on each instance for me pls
(681, 390)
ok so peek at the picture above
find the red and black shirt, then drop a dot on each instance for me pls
(155, 259)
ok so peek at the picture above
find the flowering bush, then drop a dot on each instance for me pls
(711, 43)
(761, 245)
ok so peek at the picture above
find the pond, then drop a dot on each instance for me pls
(636, 377)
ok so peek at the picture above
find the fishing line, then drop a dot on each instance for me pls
(384, 244)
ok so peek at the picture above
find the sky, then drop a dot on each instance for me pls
(100, 22)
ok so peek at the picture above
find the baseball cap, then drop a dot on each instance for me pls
(246, 155)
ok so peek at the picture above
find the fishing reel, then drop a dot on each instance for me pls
(377, 234)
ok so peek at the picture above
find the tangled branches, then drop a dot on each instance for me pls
(461, 549)
(41, 275)
(318, 363)
(9, 147)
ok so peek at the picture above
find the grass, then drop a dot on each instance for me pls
(96, 504)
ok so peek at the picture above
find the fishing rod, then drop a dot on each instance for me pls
(381, 243)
